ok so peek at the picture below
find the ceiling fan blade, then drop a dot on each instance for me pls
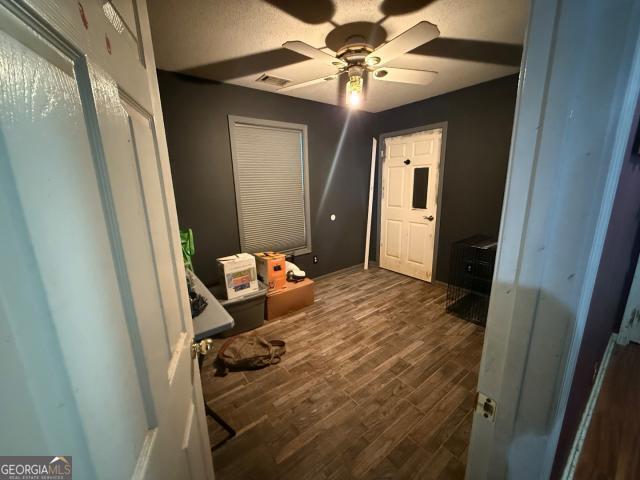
(326, 78)
(404, 75)
(417, 35)
(311, 52)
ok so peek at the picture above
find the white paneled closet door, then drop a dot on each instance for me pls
(94, 318)
(409, 203)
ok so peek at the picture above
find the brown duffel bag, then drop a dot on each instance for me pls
(248, 353)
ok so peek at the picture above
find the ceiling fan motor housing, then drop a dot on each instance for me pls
(355, 53)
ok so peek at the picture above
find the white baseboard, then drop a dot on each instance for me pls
(581, 434)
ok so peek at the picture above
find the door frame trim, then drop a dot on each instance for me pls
(381, 148)
(587, 415)
(526, 281)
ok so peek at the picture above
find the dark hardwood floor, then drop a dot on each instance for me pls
(611, 448)
(377, 382)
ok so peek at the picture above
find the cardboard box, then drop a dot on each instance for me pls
(291, 297)
(272, 269)
(238, 274)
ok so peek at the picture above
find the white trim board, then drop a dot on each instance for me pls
(576, 99)
(581, 434)
(372, 177)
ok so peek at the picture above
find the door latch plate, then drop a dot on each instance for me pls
(486, 406)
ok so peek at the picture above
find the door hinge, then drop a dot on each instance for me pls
(486, 406)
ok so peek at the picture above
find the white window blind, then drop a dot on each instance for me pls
(270, 173)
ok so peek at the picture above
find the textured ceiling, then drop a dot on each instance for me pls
(236, 41)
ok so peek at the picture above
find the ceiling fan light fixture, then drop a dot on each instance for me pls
(354, 90)
(354, 99)
(357, 56)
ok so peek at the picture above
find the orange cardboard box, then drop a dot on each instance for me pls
(291, 297)
(272, 269)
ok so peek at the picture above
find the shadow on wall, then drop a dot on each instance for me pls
(196, 118)
(196, 113)
(611, 290)
(527, 413)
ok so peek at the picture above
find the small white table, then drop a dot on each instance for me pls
(214, 319)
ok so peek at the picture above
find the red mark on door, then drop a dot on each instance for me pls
(83, 17)
(108, 43)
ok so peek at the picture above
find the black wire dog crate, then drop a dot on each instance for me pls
(470, 275)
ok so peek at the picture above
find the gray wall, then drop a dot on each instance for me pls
(480, 119)
(195, 114)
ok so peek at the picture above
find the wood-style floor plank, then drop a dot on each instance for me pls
(377, 383)
(612, 443)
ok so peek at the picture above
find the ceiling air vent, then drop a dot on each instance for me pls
(271, 80)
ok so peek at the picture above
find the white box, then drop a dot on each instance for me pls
(238, 273)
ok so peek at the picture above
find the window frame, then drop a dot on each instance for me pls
(264, 123)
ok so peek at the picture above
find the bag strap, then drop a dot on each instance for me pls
(278, 348)
(272, 352)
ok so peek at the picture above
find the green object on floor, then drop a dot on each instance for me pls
(188, 248)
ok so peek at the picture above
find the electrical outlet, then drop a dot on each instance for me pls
(315, 259)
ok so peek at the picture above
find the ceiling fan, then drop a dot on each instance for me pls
(357, 57)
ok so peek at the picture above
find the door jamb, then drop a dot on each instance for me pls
(381, 148)
(503, 372)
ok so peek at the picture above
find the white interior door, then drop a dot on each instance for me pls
(94, 319)
(409, 203)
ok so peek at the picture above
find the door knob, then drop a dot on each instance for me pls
(407, 161)
(429, 217)
(202, 347)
